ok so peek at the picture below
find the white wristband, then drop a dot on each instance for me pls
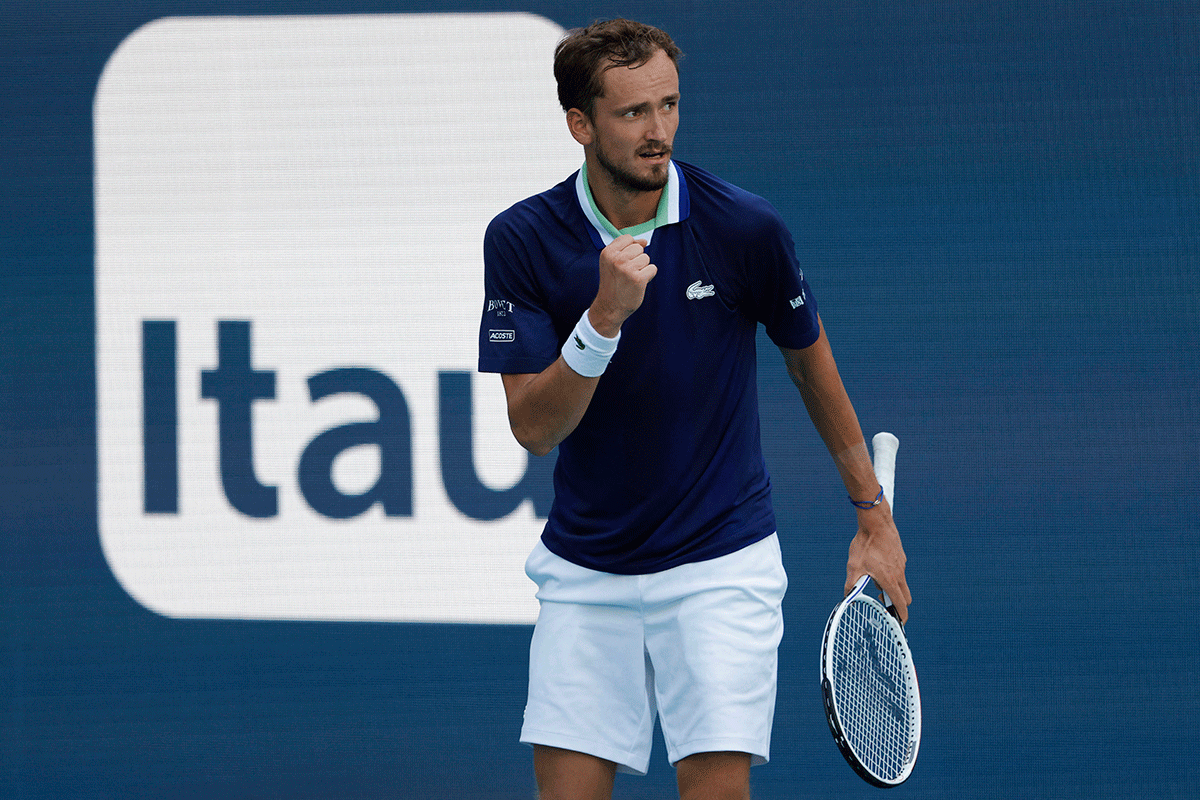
(586, 351)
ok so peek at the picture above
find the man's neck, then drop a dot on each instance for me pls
(623, 207)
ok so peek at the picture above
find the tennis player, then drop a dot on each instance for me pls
(621, 311)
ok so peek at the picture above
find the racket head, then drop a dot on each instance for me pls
(871, 697)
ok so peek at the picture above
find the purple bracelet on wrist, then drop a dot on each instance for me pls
(867, 505)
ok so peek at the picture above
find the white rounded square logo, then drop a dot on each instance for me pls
(289, 223)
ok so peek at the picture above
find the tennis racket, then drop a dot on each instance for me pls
(872, 701)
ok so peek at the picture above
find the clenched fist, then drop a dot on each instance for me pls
(625, 270)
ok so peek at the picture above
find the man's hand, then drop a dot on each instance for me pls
(876, 551)
(625, 270)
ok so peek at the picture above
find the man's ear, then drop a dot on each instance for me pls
(580, 127)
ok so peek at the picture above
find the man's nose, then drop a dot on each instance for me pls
(656, 130)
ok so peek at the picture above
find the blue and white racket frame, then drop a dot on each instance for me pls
(882, 755)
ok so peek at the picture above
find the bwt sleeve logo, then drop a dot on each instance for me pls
(289, 217)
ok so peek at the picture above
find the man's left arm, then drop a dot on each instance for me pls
(876, 549)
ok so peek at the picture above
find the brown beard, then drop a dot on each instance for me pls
(623, 179)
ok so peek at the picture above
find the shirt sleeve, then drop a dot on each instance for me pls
(783, 301)
(516, 333)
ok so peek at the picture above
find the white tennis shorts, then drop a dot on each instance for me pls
(695, 645)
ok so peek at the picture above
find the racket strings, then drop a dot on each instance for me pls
(874, 699)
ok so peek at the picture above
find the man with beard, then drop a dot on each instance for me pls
(621, 311)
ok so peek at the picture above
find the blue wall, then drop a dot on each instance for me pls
(998, 206)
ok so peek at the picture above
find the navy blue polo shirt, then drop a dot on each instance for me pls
(666, 466)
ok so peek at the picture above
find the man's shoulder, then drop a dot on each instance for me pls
(717, 202)
(552, 206)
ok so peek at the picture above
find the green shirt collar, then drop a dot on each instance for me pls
(609, 231)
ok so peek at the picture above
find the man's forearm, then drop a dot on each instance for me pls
(815, 374)
(544, 408)
(876, 549)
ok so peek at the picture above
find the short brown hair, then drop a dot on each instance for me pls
(585, 54)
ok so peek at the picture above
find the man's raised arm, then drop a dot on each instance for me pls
(544, 408)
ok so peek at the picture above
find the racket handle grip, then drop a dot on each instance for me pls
(884, 446)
